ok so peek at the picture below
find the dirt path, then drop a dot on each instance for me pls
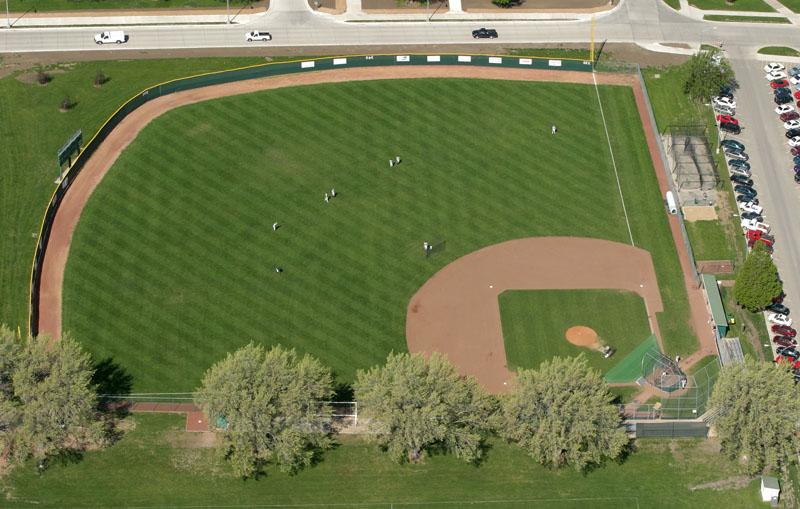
(66, 219)
(456, 312)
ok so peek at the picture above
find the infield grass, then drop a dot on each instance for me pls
(172, 264)
(535, 323)
(155, 466)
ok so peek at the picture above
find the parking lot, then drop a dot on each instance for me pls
(772, 174)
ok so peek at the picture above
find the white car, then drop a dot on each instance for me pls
(752, 224)
(791, 124)
(258, 36)
(773, 67)
(794, 142)
(779, 319)
(735, 170)
(723, 102)
(776, 75)
(724, 110)
(751, 207)
(784, 108)
(794, 80)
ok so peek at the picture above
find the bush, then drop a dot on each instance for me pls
(99, 78)
(66, 104)
(42, 77)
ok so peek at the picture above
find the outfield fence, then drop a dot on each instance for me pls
(247, 73)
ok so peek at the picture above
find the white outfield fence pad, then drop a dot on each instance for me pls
(339, 61)
(495, 60)
(525, 61)
(306, 65)
(463, 58)
(434, 58)
(403, 58)
(554, 63)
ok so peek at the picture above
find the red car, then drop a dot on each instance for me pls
(727, 118)
(795, 151)
(784, 330)
(784, 341)
(797, 95)
(779, 84)
(789, 115)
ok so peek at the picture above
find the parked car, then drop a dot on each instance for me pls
(776, 75)
(791, 124)
(778, 308)
(789, 115)
(779, 319)
(796, 159)
(730, 127)
(794, 142)
(484, 33)
(742, 189)
(111, 37)
(258, 36)
(736, 163)
(746, 199)
(779, 84)
(793, 133)
(794, 151)
(741, 180)
(794, 80)
(794, 71)
(752, 215)
(782, 330)
(750, 207)
(744, 172)
(784, 341)
(773, 67)
(725, 91)
(727, 118)
(788, 351)
(723, 102)
(732, 144)
(784, 108)
(753, 235)
(782, 91)
(783, 99)
(737, 154)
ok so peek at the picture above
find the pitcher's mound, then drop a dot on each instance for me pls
(582, 336)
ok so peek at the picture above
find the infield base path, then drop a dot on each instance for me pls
(457, 311)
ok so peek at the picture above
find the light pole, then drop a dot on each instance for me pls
(8, 18)
(227, 10)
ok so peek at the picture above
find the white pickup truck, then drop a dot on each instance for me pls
(750, 207)
(115, 36)
(752, 224)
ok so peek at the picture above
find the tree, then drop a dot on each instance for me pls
(273, 403)
(47, 401)
(706, 73)
(756, 408)
(414, 404)
(757, 282)
(562, 414)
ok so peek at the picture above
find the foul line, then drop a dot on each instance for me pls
(613, 161)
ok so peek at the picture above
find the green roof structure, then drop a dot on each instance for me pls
(715, 303)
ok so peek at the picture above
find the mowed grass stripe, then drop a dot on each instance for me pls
(172, 262)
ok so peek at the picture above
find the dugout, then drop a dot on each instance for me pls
(714, 300)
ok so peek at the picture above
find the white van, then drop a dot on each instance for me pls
(115, 36)
(672, 206)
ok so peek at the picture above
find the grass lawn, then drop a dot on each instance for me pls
(781, 51)
(32, 130)
(749, 327)
(746, 19)
(739, 5)
(625, 394)
(73, 5)
(152, 467)
(794, 5)
(675, 4)
(167, 278)
(709, 241)
(534, 324)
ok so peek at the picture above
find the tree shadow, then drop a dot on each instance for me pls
(111, 379)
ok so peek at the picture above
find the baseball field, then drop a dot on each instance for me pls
(173, 263)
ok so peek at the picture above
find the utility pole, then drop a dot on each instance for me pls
(8, 18)
(227, 10)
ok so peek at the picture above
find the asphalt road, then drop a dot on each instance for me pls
(763, 134)
(292, 24)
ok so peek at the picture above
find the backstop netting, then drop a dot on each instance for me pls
(662, 372)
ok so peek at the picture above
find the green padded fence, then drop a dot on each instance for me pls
(252, 72)
(629, 369)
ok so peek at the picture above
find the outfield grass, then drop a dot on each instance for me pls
(746, 19)
(738, 5)
(535, 323)
(781, 51)
(709, 241)
(152, 467)
(77, 5)
(32, 130)
(172, 262)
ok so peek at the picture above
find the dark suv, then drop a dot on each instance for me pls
(484, 33)
(730, 127)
